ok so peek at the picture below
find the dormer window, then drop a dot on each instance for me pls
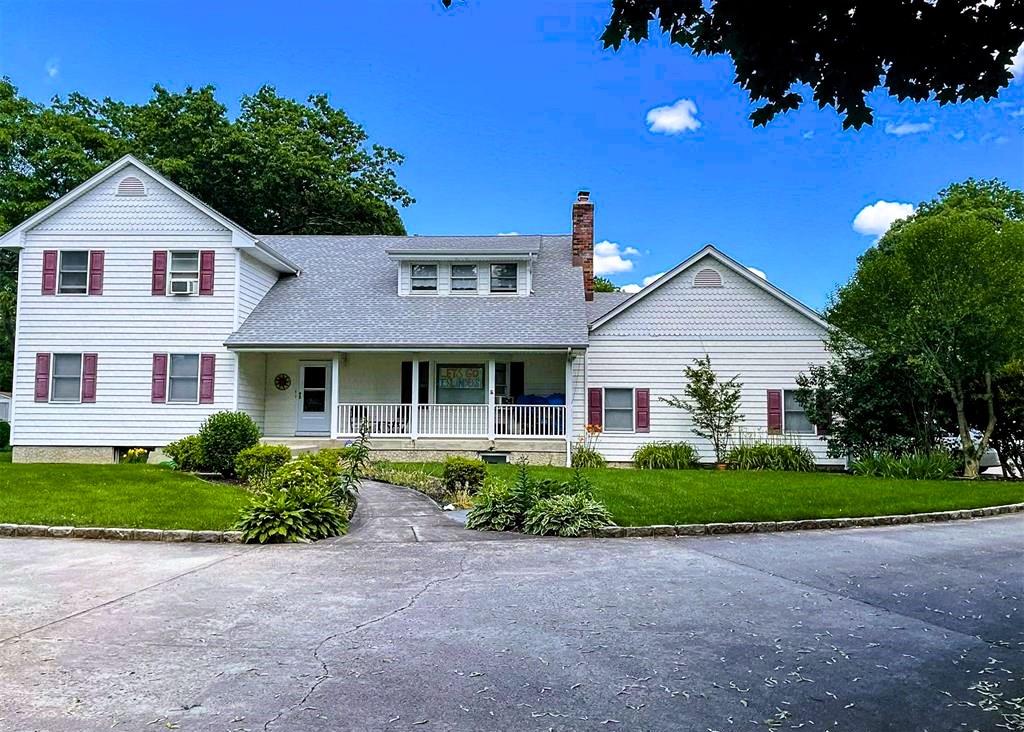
(464, 278)
(424, 278)
(505, 278)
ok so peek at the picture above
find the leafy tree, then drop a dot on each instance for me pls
(949, 50)
(945, 292)
(713, 405)
(1008, 435)
(603, 284)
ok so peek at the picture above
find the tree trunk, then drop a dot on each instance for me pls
(971, 461)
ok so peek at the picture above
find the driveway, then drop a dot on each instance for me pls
(900, 628)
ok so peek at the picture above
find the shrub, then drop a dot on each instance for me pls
(770, 456)
(933, 465)
(463, 474)
(256, 464)
(224, 435)
(665, 455)
(291, 515)
(587, 457)
(566, 515)
(495, 508)
(300, 474)
(187, 454)
(135, 456)
(5, 435)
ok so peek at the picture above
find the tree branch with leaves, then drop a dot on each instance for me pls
(713, 405)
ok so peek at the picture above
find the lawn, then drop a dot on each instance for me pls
(644, 497)
(117, 496)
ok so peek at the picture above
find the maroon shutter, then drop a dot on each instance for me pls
(159, 272)
(96, 273)
(643, 410)
(50, 272)
(42, 377)
(774, 411)
(207, 368)
(595, 407)
(159, 389)
(88, 378)
(206, 259)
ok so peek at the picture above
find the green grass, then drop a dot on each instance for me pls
(114, 496)
(644, 497)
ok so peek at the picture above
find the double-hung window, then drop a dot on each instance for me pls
(505, 278)
(424, 278)
(184, 271)
(618, 410)
(464, 278)
(66, 378)
(73, 273)
(795, 419)
(183, 378)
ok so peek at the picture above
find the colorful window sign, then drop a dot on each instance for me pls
(460, 377)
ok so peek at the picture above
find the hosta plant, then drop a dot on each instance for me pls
(292, 515)
(566, 515)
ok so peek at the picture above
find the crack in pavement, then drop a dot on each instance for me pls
(325, 670)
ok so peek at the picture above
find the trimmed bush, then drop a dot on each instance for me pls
(770, 456)
(566, 515)
(255, 465)
(587, 457)
(5, 435)
(463, 474)
(292, 515)
(301, 474)
(934, 465)
(224, 435)
(187, 454)
(665, 456)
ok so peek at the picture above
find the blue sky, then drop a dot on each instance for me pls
(505, 109)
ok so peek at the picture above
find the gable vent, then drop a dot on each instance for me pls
(707, 277)
(131, 186)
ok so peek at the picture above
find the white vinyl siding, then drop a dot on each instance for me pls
(252, 386)
(254, 282)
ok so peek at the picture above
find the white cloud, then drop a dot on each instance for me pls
(508, 233)
(610, 258)
(634, 287)
(652, 278)
(674, 118)
(876, 219)
(52, 67)
(760, 273)
(631, 289)
(958, 135)
(808, 135)
(907, 128)
(1017, 65)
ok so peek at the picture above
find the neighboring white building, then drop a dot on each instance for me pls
(142, 311)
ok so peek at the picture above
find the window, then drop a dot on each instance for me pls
(66, 378)
(185, 268)
(74, 273)
(424, 278)
(795, 420)
(504, 277)
(501, 385)
(618, 410)
(463, 278)
(183, 376)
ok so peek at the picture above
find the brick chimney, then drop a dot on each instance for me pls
(583, 240)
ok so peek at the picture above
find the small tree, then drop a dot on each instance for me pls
(713, 405)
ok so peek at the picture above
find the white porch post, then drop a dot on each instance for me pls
(335, 397)
(490, 400)
(414, 418)
(568, 408)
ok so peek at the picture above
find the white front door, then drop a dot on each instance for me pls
(314, 416)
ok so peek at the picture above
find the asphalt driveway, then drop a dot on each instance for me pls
(903, 628)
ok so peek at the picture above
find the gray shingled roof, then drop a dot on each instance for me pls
(347, 296)
(467, 245)
(603, 303)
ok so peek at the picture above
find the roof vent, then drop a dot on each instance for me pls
(131, 186)
(707, 277)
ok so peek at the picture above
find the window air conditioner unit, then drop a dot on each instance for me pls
(184, 287)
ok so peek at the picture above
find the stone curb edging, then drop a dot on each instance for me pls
(750, 527)
(90, 532)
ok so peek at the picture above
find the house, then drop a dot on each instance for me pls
(5, 406)
(142, 311)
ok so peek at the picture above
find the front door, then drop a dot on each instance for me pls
(314, 416)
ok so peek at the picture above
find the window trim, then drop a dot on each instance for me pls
(81, 377)
(60, 271)
(451, 278)
(171, 378)
(412, 279)
(632, 409)
(514, 290)
(170, 270)
(785, 427)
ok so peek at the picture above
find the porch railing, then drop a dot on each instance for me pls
(453, 420)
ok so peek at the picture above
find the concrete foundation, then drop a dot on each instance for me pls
(61, 454)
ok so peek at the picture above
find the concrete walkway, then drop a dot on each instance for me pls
(392, 514)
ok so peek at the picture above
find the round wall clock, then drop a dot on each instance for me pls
(282, 382)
